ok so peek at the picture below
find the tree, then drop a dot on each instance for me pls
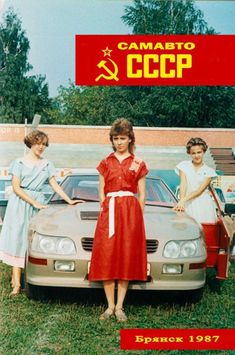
(152, 105)
(89, 105)
(20, 95)
(165, 17)
(180, 106)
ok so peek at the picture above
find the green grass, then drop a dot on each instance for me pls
(70, 325)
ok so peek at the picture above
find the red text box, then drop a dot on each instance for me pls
(155, 60)
(180, 339)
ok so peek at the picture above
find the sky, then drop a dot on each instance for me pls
(51, 26)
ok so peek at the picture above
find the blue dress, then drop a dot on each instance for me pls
(13, 238)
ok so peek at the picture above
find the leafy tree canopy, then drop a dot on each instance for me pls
(152, 106)
(165, 17)
(21, 96)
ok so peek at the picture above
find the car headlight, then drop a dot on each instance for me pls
(184, 248)
(188, 248)
(171, 250)
(53, 245)
(65, 246)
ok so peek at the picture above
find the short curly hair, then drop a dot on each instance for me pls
(122, 126)
(36, 137)
(196, 141)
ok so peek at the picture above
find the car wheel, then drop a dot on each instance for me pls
(194, 296)
(38, 293)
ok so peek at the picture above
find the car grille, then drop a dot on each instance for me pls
(89, 215)
(87, 243)
(152, 244)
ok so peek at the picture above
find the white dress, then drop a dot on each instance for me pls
(201, 208)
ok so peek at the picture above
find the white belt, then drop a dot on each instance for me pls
(112, 208)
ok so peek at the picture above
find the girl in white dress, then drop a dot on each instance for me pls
(195, 178)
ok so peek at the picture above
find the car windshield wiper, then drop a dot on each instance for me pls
(57, 201)
(158, 205)
(75, 198)
(85, 199)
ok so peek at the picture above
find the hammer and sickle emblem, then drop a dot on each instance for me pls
(112, 74)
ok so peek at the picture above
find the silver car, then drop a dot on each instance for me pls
(60, 241)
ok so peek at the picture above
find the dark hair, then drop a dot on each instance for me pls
(196, 141)
(122, 126)
(36, 137)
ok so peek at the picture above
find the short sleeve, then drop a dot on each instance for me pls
(143, 170)
(102, 167)
(51, 170)
(16, 168)
(182, 166)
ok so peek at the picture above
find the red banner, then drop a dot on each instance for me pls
(177, 339)
(155, 60)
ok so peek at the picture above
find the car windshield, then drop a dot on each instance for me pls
(157, 193)
(86, 187)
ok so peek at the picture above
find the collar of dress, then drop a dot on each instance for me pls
(41, 163)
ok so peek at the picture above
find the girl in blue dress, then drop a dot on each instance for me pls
(28, 177)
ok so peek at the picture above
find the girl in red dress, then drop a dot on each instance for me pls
(119, 250)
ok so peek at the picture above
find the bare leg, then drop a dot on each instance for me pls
(16, 275)
(122, 289)
(12, 281)
(109, 289)
(119, 312)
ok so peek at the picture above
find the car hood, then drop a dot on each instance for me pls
(65, 220)
(165, 222)
(80, 220)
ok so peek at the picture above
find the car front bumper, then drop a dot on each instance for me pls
(46, 275)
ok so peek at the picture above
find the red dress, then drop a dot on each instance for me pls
(123, 256)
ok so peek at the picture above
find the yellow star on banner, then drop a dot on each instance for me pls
(107, 51)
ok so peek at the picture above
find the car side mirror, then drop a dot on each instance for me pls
(229, 208)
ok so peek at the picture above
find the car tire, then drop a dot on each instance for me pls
(194, 296)
(38, 293)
